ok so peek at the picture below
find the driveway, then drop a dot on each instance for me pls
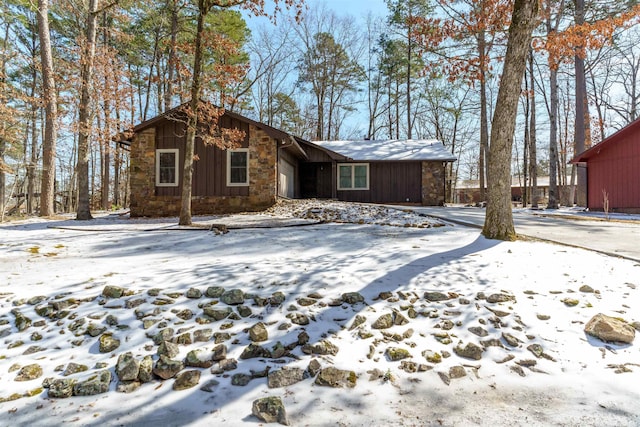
(617, 237)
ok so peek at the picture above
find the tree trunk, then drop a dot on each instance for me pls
(86, 75)
(47, 187)
(582, 112)
(171, 60)
(533, 150)
(187, 171)
(484, 116)
(409, 27)
(106, 152)
(499, 217)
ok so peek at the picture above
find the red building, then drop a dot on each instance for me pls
(613, 171)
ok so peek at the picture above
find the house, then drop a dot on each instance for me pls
(613, 171)
(376, 171)
(468, 191)
(270, 163)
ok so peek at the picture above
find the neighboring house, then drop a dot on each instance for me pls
(468, 191)
(271, 163)
(613, 168)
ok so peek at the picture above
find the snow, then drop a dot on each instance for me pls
(408, 256)
(394, 149)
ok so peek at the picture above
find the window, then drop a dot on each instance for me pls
(167, 167)
(238, 167)
(353, 176)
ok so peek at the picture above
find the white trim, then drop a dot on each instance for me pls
(176, 152)
(237, 184)
(352, 166)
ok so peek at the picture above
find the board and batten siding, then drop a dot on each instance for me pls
(210, 171)
(616, 170)
(389, 182)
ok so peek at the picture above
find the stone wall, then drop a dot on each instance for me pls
(262, 180)
(433, 180)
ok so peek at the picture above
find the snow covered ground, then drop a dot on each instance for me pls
(536, 365)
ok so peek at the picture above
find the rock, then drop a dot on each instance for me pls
(220, 337)
(194, 293)
(127, 367)
(359, 320)
(352, 298)
(499, 313)
(337, 378)
(36, 300)
(432, 356)
(446, 325)
(164, 334)
(61, 388)
(636, 326)
(219, 352)
(198, 358)
(74, 368)
(494, 298)
(543, 316)
(168, 349)
(444, 376)
(202, 335)
(29, 372)
(314, 367)
(93, 330)
(166, 368)
(470, 351)
(270, 410)
(586, 289)
(241, 379)
(298, 318)
(214, 292)
(436, 296)
(210, 386)
(108, 343)
(395, 353)
(305, 302)
(217, 313)
(96, 384)
(570, 302)
(536, 349)
(285, 377)
(610, 329)
(185, 314)
(457, 372)
(232, 297)
(323, 347)
(244, 311)
(187, 379)
(258, 332)
(383, 322)
(183, 339)
(128, 386)
(227, 365)
(510, 339)
(254, 351)
(478, 330)
(145, 374)
(277, 298)
(112, 291)
(22, 322)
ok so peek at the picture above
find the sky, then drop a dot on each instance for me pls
(391, 258)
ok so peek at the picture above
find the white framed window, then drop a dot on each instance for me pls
(238, 167)
(167, 167)
(353, 176)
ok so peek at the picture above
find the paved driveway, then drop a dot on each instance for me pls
(619, 238)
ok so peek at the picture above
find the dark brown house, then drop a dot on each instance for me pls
(271, 163)
(380, 171)
(613, 168)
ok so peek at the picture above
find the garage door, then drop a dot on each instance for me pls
(287, 180)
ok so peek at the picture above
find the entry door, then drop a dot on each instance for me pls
(287, 180)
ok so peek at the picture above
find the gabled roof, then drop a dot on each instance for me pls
(394, 150)
(607, 142)
(286, 138)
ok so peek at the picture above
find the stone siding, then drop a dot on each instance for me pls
(433, 175)
(262, 180)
